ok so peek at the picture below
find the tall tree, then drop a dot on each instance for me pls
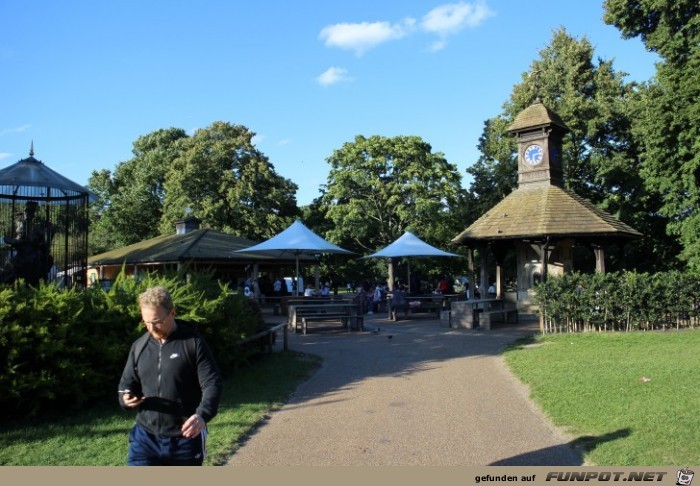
(668, 109)
(217, 173)
(131, 200)
(601, 157)
(228, 183)
(380, 187)
(101, 235)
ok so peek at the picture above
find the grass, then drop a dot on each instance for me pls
(99, 436)
(630, 398)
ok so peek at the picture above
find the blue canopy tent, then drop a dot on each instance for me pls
(296, 240)
(409, 245)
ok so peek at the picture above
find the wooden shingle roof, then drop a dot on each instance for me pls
(533, 212)
(197, 245)
(536, 115)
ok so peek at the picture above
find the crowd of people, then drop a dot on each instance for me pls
(372, 295)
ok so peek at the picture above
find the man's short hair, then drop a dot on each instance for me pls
(156, 297)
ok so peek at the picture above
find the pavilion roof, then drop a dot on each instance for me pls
(540, 211)
(197, 245)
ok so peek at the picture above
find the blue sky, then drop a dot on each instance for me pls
(84, 79)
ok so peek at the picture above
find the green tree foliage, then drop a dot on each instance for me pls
(601, 157)
(130, 201)
(668, 109)
(217, 173)
(380, 187)
(229, 184)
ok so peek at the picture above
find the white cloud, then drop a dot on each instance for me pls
(257, 139)
(452, 17)
(437, 45)
(20, 129)
(285, 141)
(364, 36)
(4, 155)
(443, 21)
(333, 75)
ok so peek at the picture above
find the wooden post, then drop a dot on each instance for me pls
(484, 257)
(470, 270)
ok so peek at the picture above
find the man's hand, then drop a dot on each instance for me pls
(193, 427)
(132, 401)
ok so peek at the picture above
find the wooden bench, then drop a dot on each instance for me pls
(345, 318)
(300, 315)
(289, 300)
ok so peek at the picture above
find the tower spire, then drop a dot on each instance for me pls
(31, 149)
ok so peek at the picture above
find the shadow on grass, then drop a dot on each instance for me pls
(103, 419)
(560, 455)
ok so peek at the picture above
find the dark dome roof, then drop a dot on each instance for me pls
(31, 172)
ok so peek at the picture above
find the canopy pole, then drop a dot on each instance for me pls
(408, 271)
(296, 287)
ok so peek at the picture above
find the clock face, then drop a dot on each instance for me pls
(533, 154)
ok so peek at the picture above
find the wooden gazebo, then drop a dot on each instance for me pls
(541, 220)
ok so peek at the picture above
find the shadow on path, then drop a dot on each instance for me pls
(557, 455)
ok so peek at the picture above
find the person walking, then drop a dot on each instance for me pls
(173, 382)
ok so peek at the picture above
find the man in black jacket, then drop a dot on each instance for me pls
(171, 378)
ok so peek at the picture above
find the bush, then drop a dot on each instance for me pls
(61, 349)
(622, 301)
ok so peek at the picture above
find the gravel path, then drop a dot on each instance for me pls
(413, 393)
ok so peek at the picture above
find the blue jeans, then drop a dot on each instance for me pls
(146, 449)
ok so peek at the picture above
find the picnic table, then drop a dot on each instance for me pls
(399, 301)
(347, 312)
(482, 312)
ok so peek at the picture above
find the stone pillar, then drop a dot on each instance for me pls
(599, 258)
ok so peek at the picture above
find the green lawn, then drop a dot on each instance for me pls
(631, 398)
(99, 437)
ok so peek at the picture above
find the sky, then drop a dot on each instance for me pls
(82, 80)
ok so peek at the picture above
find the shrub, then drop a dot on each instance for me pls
(61, 349)
(622, 301)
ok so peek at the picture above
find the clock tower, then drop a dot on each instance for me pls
(539, 132)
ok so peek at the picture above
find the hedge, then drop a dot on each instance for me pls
(620, 301)
(62, 349)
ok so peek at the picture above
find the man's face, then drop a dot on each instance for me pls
(159, 322)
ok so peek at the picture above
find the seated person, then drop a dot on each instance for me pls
(309, 292)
